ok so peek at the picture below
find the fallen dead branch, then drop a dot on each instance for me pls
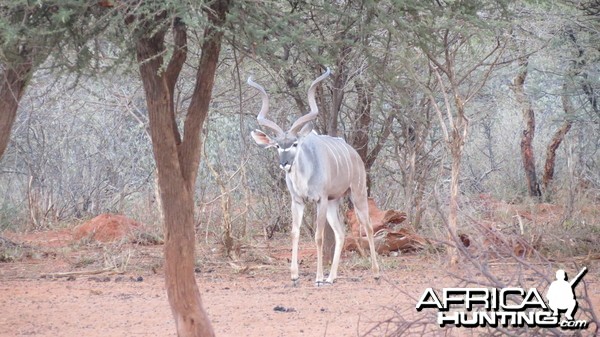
(109, 271)
(387, 241)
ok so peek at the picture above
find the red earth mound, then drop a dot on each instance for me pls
(106, 228)
(386, 239)
(379, 219)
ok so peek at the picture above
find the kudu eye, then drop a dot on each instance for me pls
(277, 146)
(295, 144)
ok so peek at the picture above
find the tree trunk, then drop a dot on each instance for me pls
(457, 141)
(527, 156)
(360, 138)
(14, 80)
(557, 139)
(456, 152)
(177, 160)
(339, 79)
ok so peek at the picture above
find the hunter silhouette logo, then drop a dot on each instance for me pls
(561, 294)
(507, 307)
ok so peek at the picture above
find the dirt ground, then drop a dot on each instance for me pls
(243, 299)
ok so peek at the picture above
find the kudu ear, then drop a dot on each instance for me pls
(306, 129)
(262, 139)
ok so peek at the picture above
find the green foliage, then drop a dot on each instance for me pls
(30, 31)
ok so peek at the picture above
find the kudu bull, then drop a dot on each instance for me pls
(319, 169)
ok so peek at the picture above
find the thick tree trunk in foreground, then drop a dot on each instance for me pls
(13, 81)
(177, 160)
(527, 156)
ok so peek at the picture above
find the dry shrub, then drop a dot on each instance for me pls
(477, 272)
(503, 245)
(10, 251)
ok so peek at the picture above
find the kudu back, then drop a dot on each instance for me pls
(320, 169)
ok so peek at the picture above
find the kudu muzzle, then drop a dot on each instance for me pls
(286, 159)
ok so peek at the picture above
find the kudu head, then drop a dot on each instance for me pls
(286, 142)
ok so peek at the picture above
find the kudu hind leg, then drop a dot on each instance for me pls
(333, 217)
(361, 208)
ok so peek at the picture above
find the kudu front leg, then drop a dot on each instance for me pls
(297, 212)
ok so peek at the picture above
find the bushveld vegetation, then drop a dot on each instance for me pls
(479, 119)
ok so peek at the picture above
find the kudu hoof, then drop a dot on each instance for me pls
(295, 282)
(323, 284)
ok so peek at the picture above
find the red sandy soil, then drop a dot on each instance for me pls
(240, 297)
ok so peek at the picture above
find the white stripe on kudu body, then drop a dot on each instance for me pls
(319, 169)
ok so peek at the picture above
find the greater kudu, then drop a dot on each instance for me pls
(320, 169)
